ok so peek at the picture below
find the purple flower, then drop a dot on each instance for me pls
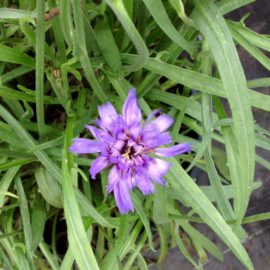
(124, 144)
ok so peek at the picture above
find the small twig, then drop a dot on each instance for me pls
(53, 13)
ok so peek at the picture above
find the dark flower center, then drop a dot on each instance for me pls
(128, 151)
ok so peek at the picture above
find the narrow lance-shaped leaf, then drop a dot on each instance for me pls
(122, 15)
(160, 16)
(195, 198)
(198, 80)
(78, 240)
(213, 26)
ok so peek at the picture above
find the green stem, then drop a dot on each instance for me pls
(40, 41)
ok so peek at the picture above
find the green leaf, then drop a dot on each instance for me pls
(213, 26)
(77, 237)
(142, 213)
(38, 220)
(11, 13)
(50, 258)
(12, 55)
(163, 238)
(136, 252)
(107, 45)
(17, 95)
(21, 258)
(226, 6)
(25, 220)
(6, 181)
(193, 109)
(40, 50)
(201, 240)
(256, 83)
(261, 41)
(123, 232)
(256, 218)
(160, 213)
(67, 261)
(14, 73)
(80, 50)
(251, 49)
(183, 248)
(119, 9)
(198, 81)
(29, 142)
(49, 187)
(88, 208)
(194, 197)
(160, 16)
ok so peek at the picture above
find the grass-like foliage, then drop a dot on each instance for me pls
(59, 60)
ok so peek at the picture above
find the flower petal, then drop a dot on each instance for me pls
(98, 165)
(131, 110)
(85, 146)
(156, 169)
(96, 132)
(173, 150)
(154, 113)
(160, 139)
(107, 115)
(144, 184)
(114, 177)
(160, 124)
(122, 197)
(118, 128)
(135, 131)
(129, 179)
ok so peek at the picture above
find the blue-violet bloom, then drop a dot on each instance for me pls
(124, 144)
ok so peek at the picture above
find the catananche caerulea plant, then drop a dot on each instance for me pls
(181, 55)
(127, 146)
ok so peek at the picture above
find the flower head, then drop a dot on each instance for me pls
(128, 147)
